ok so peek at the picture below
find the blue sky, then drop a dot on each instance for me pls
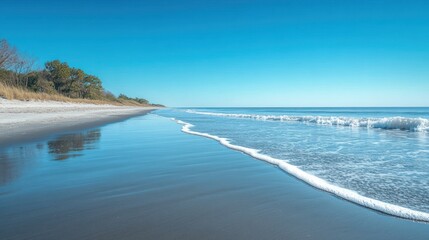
(236, 53)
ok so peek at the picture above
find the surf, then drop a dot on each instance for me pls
(347, 194)
(388, 123)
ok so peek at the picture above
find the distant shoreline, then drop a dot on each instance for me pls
(22, 121)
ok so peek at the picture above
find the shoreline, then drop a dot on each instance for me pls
(23, 121)
(148, 180)
(316, 182)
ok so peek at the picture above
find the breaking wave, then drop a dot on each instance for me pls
(400, 123)
(315, 181)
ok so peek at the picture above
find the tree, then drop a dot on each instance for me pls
(139, 100)
(75, 86)
(59, 73)
(123, 96)
(20, 70)
(109, 96)
(13, 66)
(8, 54)
(73, 82)
(37, 81)
(93, 87)
(57, 78)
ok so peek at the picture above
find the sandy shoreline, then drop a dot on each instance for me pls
(145, 179)
(28, 120)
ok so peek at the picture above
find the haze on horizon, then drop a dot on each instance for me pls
(236, 53)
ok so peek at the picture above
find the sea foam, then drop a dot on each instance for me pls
(401, 123)
(315, 181)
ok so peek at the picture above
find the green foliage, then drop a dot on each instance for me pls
(139, 100)
(37, 81)
(109, 96)
(92, 87)
(5, 76)
(157, 105)
(123, 96)
(56, 77)
(59, 73)
(73, 82)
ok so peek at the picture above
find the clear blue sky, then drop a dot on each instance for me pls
(236, 53)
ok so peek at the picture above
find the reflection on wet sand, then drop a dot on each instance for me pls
(14, 160)
(71, 145)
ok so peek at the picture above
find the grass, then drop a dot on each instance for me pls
(16, 93)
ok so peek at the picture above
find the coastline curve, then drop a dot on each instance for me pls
(346, 194)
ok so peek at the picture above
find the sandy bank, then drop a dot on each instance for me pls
(26, 120)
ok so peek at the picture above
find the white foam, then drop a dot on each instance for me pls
(317, 182)
(401, 123)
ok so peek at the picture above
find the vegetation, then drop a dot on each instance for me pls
(56, 81)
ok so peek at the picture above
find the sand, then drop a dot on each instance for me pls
(26, 120)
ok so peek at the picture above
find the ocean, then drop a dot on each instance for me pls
(375, 157)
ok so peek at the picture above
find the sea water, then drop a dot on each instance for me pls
(375, 157)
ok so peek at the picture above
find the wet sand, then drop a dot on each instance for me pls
(22, 121)
(144, 179)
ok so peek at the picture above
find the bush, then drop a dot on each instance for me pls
(17, 76)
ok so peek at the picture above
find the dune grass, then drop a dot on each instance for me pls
(16, 93)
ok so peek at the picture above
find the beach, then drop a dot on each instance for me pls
(144, 178)
(27, 120)
(194, 120)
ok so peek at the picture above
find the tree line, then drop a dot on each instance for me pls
(55, 78)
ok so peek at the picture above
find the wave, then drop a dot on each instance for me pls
(401, 123)
(317, 182)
